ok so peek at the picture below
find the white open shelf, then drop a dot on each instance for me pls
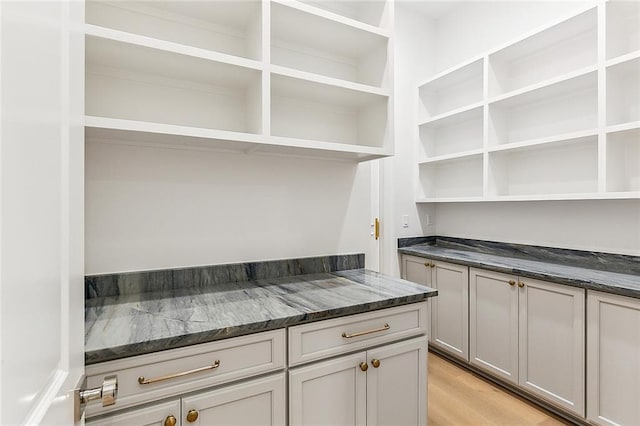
(128, 132)
(623, 161)
(568, 167)
(374, 13)
(564, 107)
(623, 28)
(554, 119)
(201, 75)
(452, 134)
(231, 27)
(317, 44)
(310, 110)
(133, 82)
(561, 49)
(451, 90)
(623, 92)
(455, 179)
(559, 138)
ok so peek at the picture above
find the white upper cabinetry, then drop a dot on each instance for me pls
(285, 77)
(554, 115)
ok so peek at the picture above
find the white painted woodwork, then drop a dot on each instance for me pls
(259, 402)
(528, 120)
(623, 160)
(553, 52)
(623, 28)
(397, 389)
(450, 309)
(230, 28)
(153, 415)
(41, 210)
(374, 13)
(239, 357)
(319, 87)
(552, 343)
(326, 46)
(330, 392)
(623, 87)
(493, 323)
(322, 339)
(613, 361)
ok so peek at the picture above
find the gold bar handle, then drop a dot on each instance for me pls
(144, 381)
(376, 224)
(362, 333)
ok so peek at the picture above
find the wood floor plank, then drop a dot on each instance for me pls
(459, 397)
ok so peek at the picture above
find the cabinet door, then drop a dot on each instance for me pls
(613, 365)
(418, 270)
(397, 384)
(155, 415)
(450, 314)
(257, 402)
(493, 323)
(552, 344)
(329, 393)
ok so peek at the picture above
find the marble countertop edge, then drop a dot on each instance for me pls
(608, 282)
(126, 326)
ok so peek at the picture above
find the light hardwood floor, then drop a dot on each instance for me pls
(459, 397)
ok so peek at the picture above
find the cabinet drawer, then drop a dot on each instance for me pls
(337, 336)
(156, 414)
(236, 358)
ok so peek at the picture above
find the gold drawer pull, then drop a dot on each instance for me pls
(362, 333)
(144, 381)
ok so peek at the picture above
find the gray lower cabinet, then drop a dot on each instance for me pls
(382, 386)
(528, 332)
(613, 364)
(450, 309)
(531, 333)
(256, 402)
(164, 414)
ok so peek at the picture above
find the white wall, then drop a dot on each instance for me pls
(414, 48)
(149, 208)
(474, 27)
(598, 225)
(467, 30)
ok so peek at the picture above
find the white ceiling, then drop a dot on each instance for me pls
(430, 9)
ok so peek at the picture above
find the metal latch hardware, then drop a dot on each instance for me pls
(107, 393)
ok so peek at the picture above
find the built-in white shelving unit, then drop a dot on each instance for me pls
(282, 77)
(554, 118)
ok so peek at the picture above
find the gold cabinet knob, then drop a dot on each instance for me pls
(433, 265)
(192, 416)
(512, 282)
(520, 284)
(426, 264)
(170, 421)
(375, 363)
(364, 366)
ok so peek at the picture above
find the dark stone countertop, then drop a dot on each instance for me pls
(617, 274)
(125, 325)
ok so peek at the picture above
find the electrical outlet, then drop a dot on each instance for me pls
(405, 220)
(428, 219)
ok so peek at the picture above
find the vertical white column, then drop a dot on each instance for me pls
(485, 127)
(266, 70)
(602, 98)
